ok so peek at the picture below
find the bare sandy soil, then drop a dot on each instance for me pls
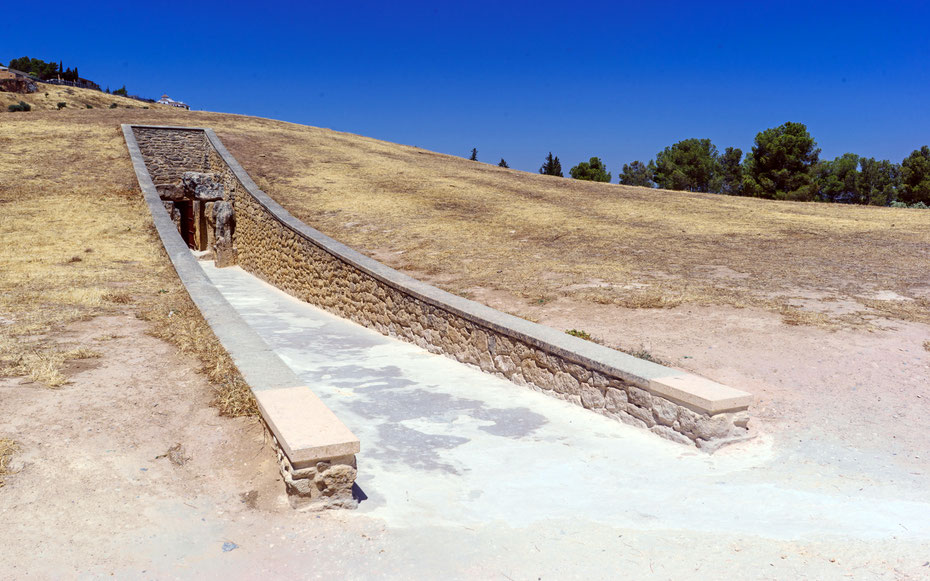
(853, 391)
(97, 493)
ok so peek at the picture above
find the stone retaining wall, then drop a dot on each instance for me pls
(283, 251)
(168, 154)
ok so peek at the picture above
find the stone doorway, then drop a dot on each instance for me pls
(192, 224)
(205, 218)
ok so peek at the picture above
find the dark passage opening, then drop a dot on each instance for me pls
(188, 225)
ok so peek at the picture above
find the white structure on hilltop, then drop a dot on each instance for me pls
(166, 100)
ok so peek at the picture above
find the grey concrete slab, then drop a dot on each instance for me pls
(447, 446)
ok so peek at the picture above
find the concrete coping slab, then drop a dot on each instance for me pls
(306, 430)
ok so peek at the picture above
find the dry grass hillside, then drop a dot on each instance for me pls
(470, 227)
(474, 228)
(48, 97)
(76, 242)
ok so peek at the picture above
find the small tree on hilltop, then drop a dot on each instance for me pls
(730, 172)
(552, 166)
(637, 174)
(781, 163)
(878, 182)
(915, 177)
(689, 165)
(592, 170)
(474, 154)
(121, 91)
(502, 163)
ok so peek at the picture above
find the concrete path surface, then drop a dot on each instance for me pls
(447, 446)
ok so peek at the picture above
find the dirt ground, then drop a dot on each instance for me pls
(97, 492)
(862, 390)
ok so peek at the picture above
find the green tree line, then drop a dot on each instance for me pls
(784, 164)
(44, 70)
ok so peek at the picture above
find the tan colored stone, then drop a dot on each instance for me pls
(615, 399)
(564, 383)
(665, 412)
(505, 364)
(305, 427)
(591, 397)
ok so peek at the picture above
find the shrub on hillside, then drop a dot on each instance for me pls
(113, 105)
(918, 205)
(21, 106)
(62, 105)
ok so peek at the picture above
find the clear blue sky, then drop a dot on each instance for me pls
(516, 80)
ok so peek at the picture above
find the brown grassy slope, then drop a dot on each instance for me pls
(467, 225)
(48, 97)
(76, 241)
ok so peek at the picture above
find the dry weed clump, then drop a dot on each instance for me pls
(7, 449)
(44, 365)
(794, 317)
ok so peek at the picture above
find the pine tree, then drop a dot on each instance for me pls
(637, 174)
(592, 170)
(689, 165)
(474, 154)
(502, 163)
(781, 164)
(552, 166)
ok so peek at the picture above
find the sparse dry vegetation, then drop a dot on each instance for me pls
(7, 449)
(60, 97)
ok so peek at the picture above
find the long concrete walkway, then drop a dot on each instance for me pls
(447, 445)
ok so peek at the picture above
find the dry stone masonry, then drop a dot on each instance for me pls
(275, 246)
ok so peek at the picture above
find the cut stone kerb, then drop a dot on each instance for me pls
(313, 267)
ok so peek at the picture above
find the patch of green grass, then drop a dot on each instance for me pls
(580, 334)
